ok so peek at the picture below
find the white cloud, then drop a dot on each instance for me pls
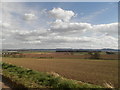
(61, 14)
(106, 42)
(110, 29)
(4, 24)
(67, 39)
(29, 16)
(76, 27)
(60, 33)
(60, 26)
(32, 42)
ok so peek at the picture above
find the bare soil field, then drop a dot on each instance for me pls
(90, 71)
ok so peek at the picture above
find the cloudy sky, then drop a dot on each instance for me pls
(52, 25)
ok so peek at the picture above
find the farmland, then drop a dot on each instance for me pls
(62, 55)
(86, 70)
(20, 77)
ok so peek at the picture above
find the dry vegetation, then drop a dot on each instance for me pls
(90, 71)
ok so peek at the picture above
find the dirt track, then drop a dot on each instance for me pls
(7, 83)
(3, 85)
(91, 71)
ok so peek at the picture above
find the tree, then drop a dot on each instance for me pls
(94, 55)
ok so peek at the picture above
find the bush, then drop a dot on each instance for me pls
(94, 55)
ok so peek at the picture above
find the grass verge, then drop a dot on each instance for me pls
(34, 79)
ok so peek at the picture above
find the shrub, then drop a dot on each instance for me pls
(94, 55)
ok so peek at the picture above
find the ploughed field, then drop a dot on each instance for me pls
(87, 70)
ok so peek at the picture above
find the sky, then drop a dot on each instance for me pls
(50, 25)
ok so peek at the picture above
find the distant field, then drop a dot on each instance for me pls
(90, 71)
(68, 55)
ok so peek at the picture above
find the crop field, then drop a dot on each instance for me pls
(90, 71)
(68, 55)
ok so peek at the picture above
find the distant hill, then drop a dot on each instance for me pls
(106, 50)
